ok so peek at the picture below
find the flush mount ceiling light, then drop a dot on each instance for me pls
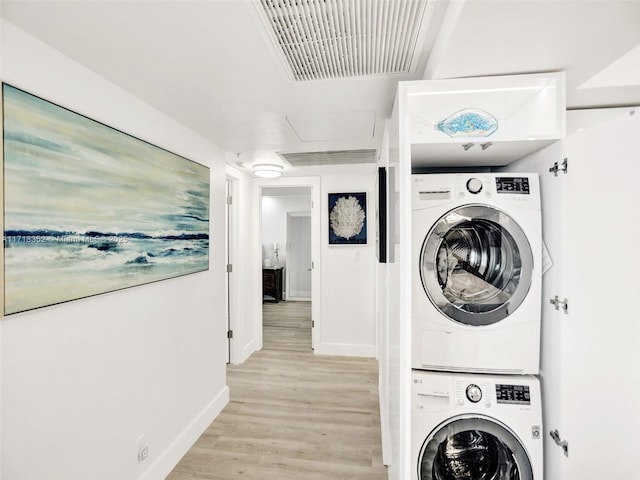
(267, 170)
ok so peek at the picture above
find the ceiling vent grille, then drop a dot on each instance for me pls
(334, 157)
(322, 39)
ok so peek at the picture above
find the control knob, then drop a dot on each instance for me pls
(474, 394)
(474, 185)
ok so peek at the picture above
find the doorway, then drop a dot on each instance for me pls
(287, 245)
(298, 279)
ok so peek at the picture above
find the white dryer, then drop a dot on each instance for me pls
(476, 299)
(476, 427)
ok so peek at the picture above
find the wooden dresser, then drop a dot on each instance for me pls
(272, 284)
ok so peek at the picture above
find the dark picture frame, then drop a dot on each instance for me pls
(347, 216)
(382, 215)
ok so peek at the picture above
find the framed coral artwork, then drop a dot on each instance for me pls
(348, 218)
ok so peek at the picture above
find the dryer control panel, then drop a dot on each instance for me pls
(484, 185)
(513, 394)
(503, 189)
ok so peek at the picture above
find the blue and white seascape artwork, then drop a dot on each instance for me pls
(89, 209)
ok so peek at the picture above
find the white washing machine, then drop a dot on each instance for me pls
(477, 248)
(476, 427)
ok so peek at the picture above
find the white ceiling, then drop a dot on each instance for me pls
(210, 65)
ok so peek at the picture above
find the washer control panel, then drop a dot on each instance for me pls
(489, 394)
(474, 185)
(474, 393)
(517, 185)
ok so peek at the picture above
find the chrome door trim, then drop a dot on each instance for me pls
(477, 422)
(428, 263)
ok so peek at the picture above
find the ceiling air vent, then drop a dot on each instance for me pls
(322, 39)
(335, 157)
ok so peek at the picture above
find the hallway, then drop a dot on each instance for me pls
(292, 414)
(286, 326)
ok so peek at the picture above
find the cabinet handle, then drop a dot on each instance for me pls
(561, 443)
(560, 304)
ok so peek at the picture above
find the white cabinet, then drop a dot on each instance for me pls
(590, 360)
(530, 111)
(484, 121)
(590, 357)
(601, 381)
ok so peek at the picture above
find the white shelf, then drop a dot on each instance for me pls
(529, 109)
(454, 154)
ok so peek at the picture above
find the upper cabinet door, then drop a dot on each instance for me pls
(601, 344)
(484, 121)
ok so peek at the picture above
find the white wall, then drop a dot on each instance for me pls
(79, 382)
(344, 313)
(274, 222)
(348, 288)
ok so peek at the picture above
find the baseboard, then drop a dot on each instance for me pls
(165, 463)
(246, 351)
(299, 295)
(345, 349)
(384, 428)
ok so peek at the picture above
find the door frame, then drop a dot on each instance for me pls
(291, 215)
(230, 239)
(487, 424)
(314, 184)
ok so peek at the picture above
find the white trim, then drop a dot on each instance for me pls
(245, 352)
(166, 462)
(256, 267)
(230, 244)
(301, 295)
(241, 345)
(385, 432)
(346, 349)
(306, 298)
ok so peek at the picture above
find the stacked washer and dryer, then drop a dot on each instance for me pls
(476, 401)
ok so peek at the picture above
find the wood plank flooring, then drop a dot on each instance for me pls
(292, 414)
(287, 326)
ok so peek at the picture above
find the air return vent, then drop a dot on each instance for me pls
(322, 39)
(334, 157)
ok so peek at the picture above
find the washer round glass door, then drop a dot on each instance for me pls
(473, 448)
(476, 265)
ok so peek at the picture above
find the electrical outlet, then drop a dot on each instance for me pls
(143, 453)
(143, 449)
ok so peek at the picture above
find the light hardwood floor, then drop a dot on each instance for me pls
(287, 326)
(292, 414)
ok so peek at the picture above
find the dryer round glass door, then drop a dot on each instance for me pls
(473, 448)
(476, 265)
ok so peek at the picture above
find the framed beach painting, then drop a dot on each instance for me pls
(348, 218)
(89, 209)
